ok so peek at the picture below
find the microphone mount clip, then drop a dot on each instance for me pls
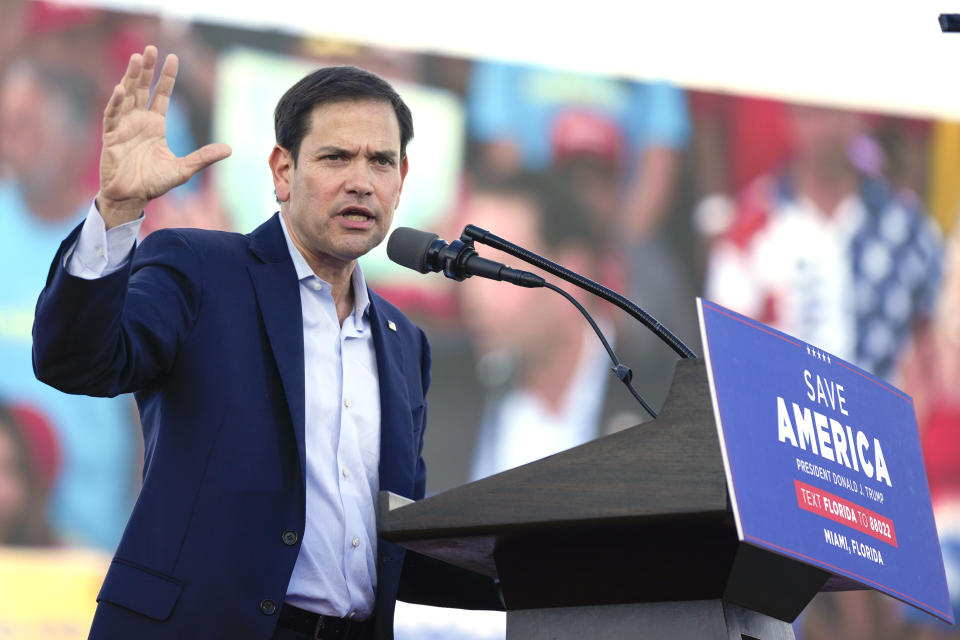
(454, 257)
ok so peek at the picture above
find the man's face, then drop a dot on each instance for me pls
(498, 315)
(27, 128)
(338, 200)
(822, 136)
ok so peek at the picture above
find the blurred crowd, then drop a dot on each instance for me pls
(836, 226)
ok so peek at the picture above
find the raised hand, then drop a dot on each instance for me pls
(136, 165)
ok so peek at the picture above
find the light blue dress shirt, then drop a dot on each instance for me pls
(335, 573)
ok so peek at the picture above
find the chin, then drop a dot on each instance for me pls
(355, 250)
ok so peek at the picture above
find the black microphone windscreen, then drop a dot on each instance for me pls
(408, 248)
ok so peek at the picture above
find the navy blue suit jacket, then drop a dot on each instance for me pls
(206, 329)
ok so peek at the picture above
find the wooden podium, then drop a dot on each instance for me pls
(627, 536)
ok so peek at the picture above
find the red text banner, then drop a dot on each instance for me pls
(835, 508)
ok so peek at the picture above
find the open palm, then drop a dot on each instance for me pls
(136, 165)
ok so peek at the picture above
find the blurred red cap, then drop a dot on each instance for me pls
(45, 17)
(42, 442)
(580, 133)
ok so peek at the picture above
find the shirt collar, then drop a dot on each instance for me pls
(361, 299)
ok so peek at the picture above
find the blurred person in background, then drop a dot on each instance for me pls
(736, 140)
(587, 155)
(544, 377)
(828, 253)
(45, 124)
(534, 118)
(930, 376)
(28, 465)
(47, 589)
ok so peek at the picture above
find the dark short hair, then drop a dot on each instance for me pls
(291, 119)
(562, 219)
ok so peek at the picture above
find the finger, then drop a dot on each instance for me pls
(146, 77)
(111, 114)
(168, 77)
(130, 80)
(202, 158)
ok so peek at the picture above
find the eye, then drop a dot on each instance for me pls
(332, 157)
(383, 161)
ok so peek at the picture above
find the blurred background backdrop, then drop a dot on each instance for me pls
(801, 166)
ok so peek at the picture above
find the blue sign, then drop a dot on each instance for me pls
(823, 460)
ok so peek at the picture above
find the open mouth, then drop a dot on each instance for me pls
(356, 214)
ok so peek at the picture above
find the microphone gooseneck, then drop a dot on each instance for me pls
(483, 236)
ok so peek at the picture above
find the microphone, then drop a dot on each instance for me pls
(426, 252)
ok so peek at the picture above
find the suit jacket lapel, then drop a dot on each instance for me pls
(278, 295)
(396, 430)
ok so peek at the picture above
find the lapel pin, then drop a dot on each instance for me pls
(392, 325)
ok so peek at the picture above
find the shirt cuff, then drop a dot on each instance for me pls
(98, 252)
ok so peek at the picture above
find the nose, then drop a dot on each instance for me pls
(359, 180)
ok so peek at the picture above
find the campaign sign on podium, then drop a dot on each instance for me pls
(823, 460)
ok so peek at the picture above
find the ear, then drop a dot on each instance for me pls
(404, 167)
(281, 167)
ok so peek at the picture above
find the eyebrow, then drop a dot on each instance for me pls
(333, 149)
(389, 154)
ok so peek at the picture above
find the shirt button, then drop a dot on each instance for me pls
(316, 286)
(100, 251)
(352, 613)
(346, 473)
(347, 403)
(355, 543)
(268, 607)
(290, 537)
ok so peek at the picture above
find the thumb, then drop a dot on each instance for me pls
(203, 158)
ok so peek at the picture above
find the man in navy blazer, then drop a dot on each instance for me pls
(215, 335)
